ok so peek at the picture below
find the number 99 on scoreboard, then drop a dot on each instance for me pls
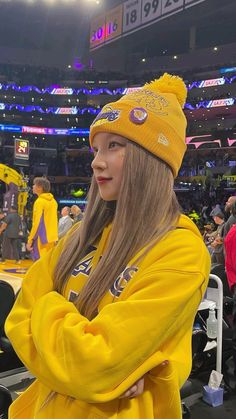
(150, 10)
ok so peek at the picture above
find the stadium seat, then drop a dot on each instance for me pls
(8, 357)
(219, 270)
(5, 401)
(7, 299)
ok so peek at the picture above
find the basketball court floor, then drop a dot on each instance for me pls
(13, 273)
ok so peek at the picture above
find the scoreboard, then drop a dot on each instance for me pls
(131, 16)
(21, 152)
(21, 149)
(106, 27)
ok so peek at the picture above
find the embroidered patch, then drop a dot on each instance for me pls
(149, 100)
(122, 280)
(83, 267)
(162, 139)
(138, 115)
(107, 115)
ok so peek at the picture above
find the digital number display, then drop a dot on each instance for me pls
(22, 149)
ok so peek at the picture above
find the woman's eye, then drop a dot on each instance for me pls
(113, 144)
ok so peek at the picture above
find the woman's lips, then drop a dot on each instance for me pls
(102, 180)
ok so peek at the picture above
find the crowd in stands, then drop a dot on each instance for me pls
(45, 76)
(79, 166)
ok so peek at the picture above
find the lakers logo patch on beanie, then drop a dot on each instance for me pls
(152, 117)
(138, 115)
(108, 114)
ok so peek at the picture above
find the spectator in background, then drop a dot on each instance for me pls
(65, 222)
(44, 231)
(76, 213)
(217, 244)
(205, 213)
(11, 226)
(232, 218)
(217, 208)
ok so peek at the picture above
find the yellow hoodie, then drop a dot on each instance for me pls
(145, 318)
(44, 232)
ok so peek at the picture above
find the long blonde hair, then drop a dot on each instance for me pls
(144, 212)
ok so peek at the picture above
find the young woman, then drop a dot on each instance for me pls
(104, 321)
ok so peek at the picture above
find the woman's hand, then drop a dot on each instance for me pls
(29, 247)
(137, 388)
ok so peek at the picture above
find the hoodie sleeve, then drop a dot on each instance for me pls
(37, 214)
(96, 361)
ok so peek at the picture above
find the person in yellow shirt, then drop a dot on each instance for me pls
(44, 232)
(104, 320)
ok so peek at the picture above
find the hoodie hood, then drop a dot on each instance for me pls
(47, 196)
(185, 222)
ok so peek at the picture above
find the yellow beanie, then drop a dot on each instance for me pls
(151, 117)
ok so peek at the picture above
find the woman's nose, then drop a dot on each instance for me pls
(98, 163)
